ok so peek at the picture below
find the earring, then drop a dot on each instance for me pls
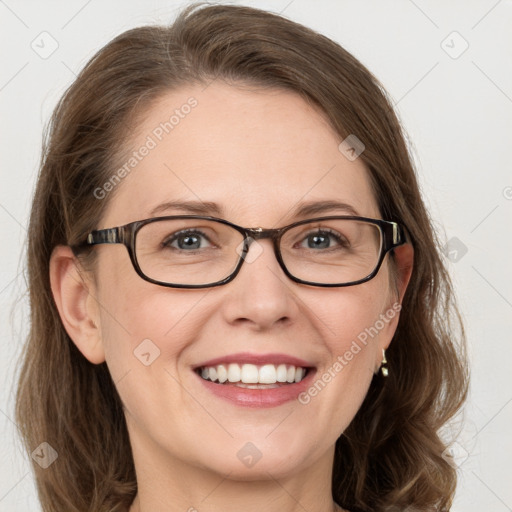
(384, 369)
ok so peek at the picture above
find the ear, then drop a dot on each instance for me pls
(75, 299)
(404, 261)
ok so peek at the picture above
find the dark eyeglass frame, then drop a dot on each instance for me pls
(392, 235)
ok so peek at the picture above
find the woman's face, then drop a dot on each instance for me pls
(259, 156)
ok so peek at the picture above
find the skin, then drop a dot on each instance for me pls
(257, 154)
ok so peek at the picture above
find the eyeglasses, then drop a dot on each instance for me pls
(190, 251)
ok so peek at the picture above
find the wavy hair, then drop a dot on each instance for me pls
(391, 457)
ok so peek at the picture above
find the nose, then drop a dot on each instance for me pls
(261, 295)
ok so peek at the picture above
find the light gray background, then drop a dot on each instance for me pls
(457, 112)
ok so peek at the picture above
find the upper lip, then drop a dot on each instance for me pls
(257, 359)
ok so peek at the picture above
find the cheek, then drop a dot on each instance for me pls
(350, 314)
(145, 333)
(142, 324)
(349, 320)
(149, 317)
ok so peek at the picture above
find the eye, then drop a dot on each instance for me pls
(324, 239)
(187, 240)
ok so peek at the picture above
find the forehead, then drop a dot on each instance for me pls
(257, 154)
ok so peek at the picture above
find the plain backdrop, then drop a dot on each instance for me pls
(445, 65)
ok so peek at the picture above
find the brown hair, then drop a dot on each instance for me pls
(391, 455)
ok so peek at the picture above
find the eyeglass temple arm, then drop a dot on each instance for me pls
(104, 236)
(399, 236)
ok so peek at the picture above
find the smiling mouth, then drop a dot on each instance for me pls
(253, 376)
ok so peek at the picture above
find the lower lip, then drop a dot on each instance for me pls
(259, 398)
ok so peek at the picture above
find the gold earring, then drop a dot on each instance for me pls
(384, 369)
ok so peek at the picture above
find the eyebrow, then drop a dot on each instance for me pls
(209, 208)
(194, 207)
(316, 207)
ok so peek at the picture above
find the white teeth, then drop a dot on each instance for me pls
(281, 373)
(256, 386)
(222, 373)
(267, 374)
(253, 374)
(213, 374)
(250, 374)
(234, 373)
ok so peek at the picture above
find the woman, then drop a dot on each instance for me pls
(276, 332)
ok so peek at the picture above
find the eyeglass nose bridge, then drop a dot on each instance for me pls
(254, 234)
(260, 233)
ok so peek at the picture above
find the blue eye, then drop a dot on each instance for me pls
(186, 240)
(318, 241)
(322, 240)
